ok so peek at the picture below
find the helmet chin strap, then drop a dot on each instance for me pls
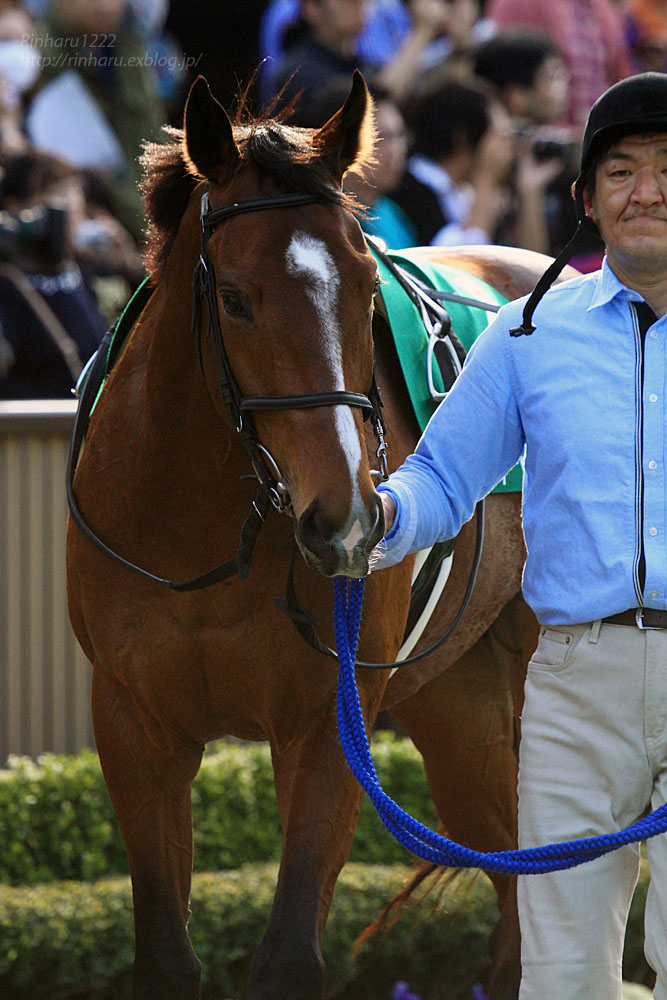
(585, 226)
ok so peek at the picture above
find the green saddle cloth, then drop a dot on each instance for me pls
(411, 338)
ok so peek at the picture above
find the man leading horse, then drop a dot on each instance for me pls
(582, 390)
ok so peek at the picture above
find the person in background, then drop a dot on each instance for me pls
(327, 49)
(97, 101)
(220, 39)
(164, 55)
(49, 319)
(576, 375)
(451, 53)
(386, 26)
(19, 72)
(105, 251)
(589, 35)
(455, 188)
(646, 34)
(528, 73)
(383, 217)
(529, 78)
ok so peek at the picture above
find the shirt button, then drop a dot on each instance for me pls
(653, 397)
(653, 334)
(652, 465)
(654, 593)
(653, 531)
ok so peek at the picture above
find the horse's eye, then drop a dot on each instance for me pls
(233, 304)
(376, 287)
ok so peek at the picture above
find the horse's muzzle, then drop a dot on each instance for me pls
(335, 549)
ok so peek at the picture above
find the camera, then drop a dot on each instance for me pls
(35, 232)
(551, 149)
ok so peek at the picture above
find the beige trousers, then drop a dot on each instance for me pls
(593, 757)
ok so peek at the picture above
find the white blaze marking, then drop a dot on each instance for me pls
(309, 258)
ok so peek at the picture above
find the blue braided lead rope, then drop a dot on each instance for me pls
(417, 838)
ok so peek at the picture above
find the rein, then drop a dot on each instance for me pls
(420, 840)
(305, 621)
(271, 490)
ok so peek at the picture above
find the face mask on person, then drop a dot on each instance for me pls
(19, 69)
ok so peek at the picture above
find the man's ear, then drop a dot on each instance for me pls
(587, 199)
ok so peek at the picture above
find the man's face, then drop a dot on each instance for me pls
(629, 203)
(547, 98)
(392, 146)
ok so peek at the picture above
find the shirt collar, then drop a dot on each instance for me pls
(608, 287)
(430, 173)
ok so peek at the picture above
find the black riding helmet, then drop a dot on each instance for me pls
(632, 106)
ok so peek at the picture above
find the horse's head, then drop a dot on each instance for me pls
(291, 282)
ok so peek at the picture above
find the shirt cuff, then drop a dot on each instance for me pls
(397, 543)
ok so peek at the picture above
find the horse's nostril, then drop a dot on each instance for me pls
(353, 539)
(315, 526)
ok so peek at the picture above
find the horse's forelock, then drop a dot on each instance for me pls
(277, 151)
(287, 156)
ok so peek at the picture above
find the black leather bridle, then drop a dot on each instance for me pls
(241, 407)
(272, 489)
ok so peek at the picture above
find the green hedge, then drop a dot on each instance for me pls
(56, 820)
(75, 939)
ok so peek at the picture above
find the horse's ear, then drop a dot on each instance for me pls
(209, 140)
(348, 137)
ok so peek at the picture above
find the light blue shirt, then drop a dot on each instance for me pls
(587, 401)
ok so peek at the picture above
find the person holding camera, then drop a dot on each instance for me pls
(589, 35)
(530, 79)
(49, 321)
(327, 50)
(455, 187)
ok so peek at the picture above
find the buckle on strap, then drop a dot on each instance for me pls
(639, 621)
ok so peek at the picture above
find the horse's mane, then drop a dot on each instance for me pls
(280, 153)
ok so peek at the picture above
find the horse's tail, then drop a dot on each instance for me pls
(435, 877)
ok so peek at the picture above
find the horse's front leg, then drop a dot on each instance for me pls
(148, 774)
(319, 803)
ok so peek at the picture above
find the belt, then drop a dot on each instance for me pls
(639, 617)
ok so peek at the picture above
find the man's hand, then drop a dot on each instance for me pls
(389, 509)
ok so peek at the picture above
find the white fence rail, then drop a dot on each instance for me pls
(44, 676)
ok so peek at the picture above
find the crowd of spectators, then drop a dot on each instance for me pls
(479, 109)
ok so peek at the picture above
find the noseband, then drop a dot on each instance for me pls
(241, 407)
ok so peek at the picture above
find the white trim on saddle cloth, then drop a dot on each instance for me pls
(438, 586)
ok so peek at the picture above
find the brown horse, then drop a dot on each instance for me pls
(163, 480)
